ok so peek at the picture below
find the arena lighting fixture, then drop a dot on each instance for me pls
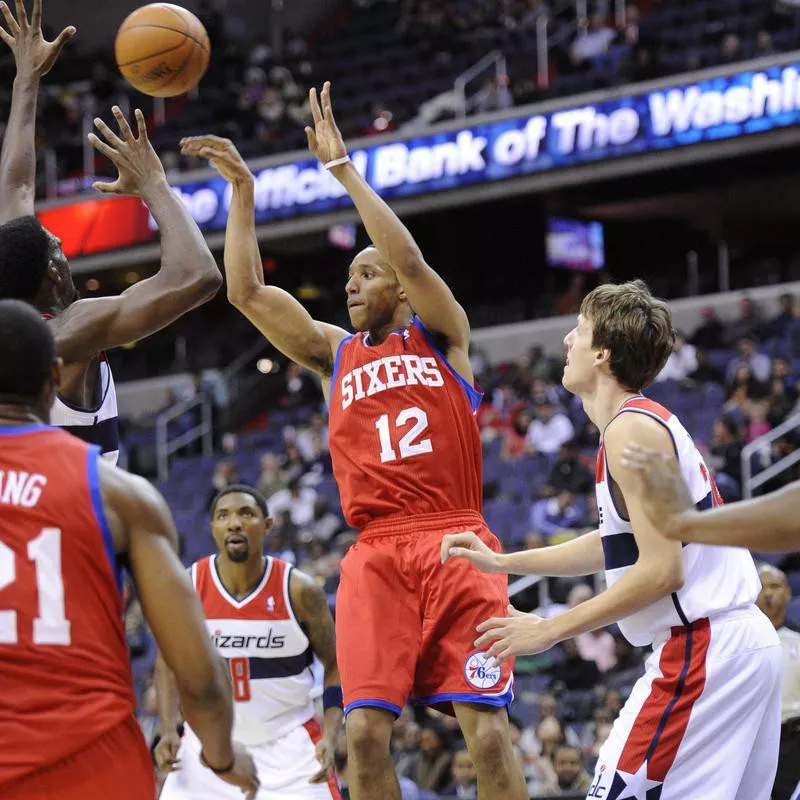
(92, 285)
(131, 277)
(265, 365)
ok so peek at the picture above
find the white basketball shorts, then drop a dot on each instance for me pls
(284, 768)
(703, 722)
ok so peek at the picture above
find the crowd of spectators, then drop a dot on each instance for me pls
(258, 96)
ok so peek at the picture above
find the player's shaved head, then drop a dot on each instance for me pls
(24, 256)
(27, 357)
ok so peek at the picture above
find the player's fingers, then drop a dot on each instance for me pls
(124, 128)
(514, 612)
(36, 15)
(64, 37)
(312, 139)
(141, 125)
(108, 134)
(9, 17)
(102, 147)
(316, 111)
(22, 15)
(106, 188)
(327, 108)
(6, 36)
(489, 624)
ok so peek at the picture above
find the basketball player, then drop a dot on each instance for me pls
(33, 266)
(770, 523)
(703, 722)
(407, 458)
(68, 520)
(268, 620)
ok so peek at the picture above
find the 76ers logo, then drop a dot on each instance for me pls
(478, 674)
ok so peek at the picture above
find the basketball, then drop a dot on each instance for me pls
(162, 50)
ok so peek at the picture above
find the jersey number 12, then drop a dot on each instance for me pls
(52, 625)
(410, 443)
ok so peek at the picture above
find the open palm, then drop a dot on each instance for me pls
(324, 139)
(32, 52)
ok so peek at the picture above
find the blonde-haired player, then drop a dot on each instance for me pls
(703, 722)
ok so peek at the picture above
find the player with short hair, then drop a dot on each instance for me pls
(68, 522)
(268, 620)
(703, 722)
(407, 458)
(33, 266)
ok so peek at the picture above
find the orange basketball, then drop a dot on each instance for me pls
(162, 50)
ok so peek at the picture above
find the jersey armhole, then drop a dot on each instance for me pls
(336, 358)
(474, 395)
(93, 477)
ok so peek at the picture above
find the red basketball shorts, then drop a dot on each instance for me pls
(115, 766)
(405, 622)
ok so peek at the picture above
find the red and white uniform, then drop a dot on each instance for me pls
(406, 455)
(270, 660)
(67, 699)
(703, 722)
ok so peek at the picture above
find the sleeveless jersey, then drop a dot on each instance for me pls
(402, 429)
(268, 652)
(98, 426)
(65, 679)
(717, 579)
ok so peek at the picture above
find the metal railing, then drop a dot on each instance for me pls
(491, 61)
(203, 431)
(751, 482)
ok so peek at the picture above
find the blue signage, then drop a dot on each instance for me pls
(707, 110)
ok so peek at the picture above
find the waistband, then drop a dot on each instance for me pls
(454, 521)
(715, 618)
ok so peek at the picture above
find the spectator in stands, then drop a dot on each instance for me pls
(312, 439)
(781, 325)
(725, 451)
(781, 400)
(757, 423)
(539, 771)
(495, 95)
(568, 473)
(600, 716)
(271, 479)
(682, 361)
(759, 364)
(324, 525)
(747, 324)
(764, 44)
(300, 390)
(705, 372)
(773, 601)
(556, 518)
(550, 429)
(601, 734)
(599, 645)
(298, 500)
(431, 769)
(743, 389)
(710, 333)
(282, 536)
(576, 672)
(515, 438)
(571, 775)
(731, 49)
(464, 775)
(593, 40)
(293, 465)
(225, 474)
(625, 672)
(405, 747)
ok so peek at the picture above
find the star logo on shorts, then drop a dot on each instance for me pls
(636, 786)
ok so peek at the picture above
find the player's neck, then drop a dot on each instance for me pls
(380, 333)
(19, 415)
(240, 579)
(602, 405)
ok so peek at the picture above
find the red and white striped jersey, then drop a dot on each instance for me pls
(717, 579)
(269, 653)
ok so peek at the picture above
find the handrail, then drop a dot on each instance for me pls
(495, 58)
(165, 446)
(749, 482)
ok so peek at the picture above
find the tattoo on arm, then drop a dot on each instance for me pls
(311, 603)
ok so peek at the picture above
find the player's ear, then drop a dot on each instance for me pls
(602, 356)
(268, 523)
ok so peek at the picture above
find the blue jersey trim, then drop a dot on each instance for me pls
(20, 430)
(93, 454)
(336, 359)
(473, 395)
(373, 704)
(499, 701)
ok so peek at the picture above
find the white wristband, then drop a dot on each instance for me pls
(336, 162)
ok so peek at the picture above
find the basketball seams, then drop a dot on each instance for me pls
(180, 69)
(154, 55)
(185, 34)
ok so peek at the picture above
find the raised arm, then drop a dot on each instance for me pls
(34, 58)
(770, 523)
(428, 294)
(188, 275)
(311, 602)
(278, 315)
(142, 527)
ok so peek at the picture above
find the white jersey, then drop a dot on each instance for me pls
(717, 579)
(269, 654)
(100, 425)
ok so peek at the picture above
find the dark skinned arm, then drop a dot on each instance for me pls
(34, 58)
(142, 527)
(311, 606)
(188, 275)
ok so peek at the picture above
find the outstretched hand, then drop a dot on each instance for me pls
(324, 139)
(134, 156)
(33, 54)
(515, 635)
(221, 154)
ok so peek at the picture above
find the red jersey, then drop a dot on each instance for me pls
(403, 435)
(65, 679)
